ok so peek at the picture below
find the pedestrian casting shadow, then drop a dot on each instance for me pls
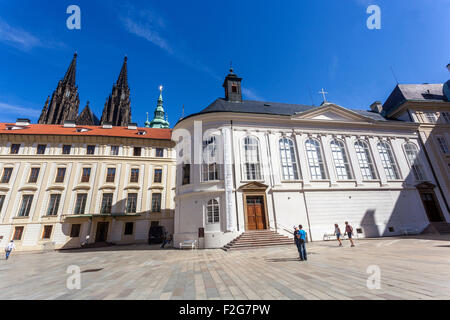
(282, 259)
(130, 247)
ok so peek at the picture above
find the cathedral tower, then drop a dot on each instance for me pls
(117, 107)
(65, 100)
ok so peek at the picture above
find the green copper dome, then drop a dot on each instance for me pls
(158, 121)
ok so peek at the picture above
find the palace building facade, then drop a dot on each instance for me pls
(250, 165)
(68, 185)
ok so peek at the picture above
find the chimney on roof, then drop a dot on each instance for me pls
(132, 126)
(69, 124)
(376, 107)
(23, 122)
(107, 125)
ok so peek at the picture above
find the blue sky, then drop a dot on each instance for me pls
(286, 51)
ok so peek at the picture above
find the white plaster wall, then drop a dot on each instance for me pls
(31, 235)
(373, 211)
(116, 233)
(5, 231)
(61, 232)
(142, 228)
(290, 211)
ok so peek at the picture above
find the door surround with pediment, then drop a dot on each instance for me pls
(254, 190)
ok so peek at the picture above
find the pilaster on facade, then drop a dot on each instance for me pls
(300, 139)
(325, 140)
(350, 143)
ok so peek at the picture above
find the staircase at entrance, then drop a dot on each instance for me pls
(258, 239)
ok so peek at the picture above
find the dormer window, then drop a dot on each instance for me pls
(15, 148)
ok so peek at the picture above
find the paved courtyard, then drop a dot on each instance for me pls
(411, 268)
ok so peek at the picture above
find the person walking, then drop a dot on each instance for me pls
(10, 247)
(167, 240)
(337, 233)
(297, 241)
(349, 232)
(301, 235)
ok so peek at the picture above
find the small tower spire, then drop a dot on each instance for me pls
(232, 86)
(159, 121)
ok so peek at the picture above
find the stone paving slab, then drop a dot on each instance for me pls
(411, 268)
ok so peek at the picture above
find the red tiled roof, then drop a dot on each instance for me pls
(51, 129)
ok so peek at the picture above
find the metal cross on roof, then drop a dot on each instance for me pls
(323, 93)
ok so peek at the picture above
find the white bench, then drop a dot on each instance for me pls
(192, 244)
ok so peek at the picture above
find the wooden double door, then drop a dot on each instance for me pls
(256, 214)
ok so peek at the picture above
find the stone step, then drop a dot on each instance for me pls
(227, 247)
(258, 239)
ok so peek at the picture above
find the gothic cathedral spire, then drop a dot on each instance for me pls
(117, 107)
(65, 99)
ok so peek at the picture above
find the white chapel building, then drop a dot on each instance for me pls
(251, 165)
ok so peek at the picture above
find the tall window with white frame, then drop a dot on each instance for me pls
(27, 200)
(340, 158)
(445, 117)
(80, 204)
(107, 200)
(156, 202)
(315, 159)
(388, 161)
(365, 160)
(53, 204)
(210, 165)
(442, 145)
(213, 211)
(431, 117)
(288, 160)
(412, 154)
(252, 164)
(2, 200)
(132, 202)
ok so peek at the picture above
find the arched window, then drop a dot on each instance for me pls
(315, 162)
(340, 160)
(210, 165)
(388, 161)
(288, 161)
(252, 165)
(365, 160)
(212, 211)
(412, 154)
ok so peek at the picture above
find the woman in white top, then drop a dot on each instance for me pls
(337, 233)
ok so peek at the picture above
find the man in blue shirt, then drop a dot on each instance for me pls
(301, 236)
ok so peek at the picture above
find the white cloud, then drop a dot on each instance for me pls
(17, 37)
(149, 25)
(146, 31)
(14, 111)
(250, 94)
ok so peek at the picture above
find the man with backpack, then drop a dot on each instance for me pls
(301, 236)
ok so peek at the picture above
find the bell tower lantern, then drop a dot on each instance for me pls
(232, 85)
